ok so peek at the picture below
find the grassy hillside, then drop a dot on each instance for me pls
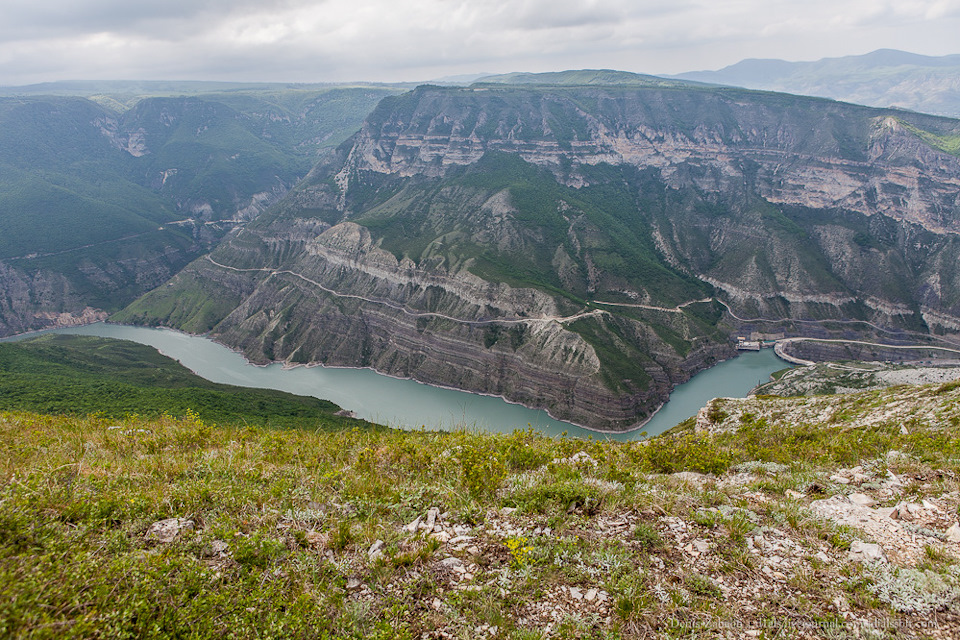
(418, 213)
(412, 534)
(64, 185)
(80, 375)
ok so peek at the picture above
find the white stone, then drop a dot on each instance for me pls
(591, 595)
(441, 535)
(376, 550)
(166, 531)
(866, 552)
(576, 593)
(953, 533)
(219, 548)
(432, 514)
(353, 583)
(886, 512)
(839, 479)
(690, 476)
(452, 563)
(862, 499)
(412, 527)
(702, 546)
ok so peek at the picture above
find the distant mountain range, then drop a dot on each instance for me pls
(883, 78)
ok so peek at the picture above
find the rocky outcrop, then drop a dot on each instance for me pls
(19, 308)
(893, 195)
(36, 295)
(100, 206)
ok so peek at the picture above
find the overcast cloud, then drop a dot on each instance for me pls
(411, 40)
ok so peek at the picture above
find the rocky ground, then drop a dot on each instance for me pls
(826, 517)
(847, 377)
(822, 561)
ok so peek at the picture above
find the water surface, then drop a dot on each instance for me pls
(410, 404)
(730, 379)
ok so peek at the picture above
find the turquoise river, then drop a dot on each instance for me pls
(409, 404)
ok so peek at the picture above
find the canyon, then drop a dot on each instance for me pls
(569, 247)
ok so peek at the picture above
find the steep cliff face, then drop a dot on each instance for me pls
(46, 291)
(788, 150)
(791, 206)
(565, 247)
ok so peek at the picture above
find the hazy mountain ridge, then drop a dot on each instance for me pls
(883, 78)
(582, 77)
(606, 209)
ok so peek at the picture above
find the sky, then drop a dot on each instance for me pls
(416, 40)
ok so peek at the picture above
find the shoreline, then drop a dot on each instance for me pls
(286, 365)
(289, 366)
(633, 429)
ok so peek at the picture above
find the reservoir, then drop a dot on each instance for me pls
(411, 405)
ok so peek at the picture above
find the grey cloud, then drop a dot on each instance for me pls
(318, 40)
(24, 19)
(547, 14)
